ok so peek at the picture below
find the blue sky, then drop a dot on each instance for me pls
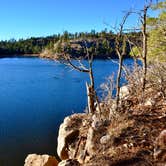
(26, 18)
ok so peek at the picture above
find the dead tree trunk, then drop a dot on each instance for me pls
(143, 16)
(91, 95)
(118, 82)
(120, 47)
(143, 51)
(144, 46)
(91, 90)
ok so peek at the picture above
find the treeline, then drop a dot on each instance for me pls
(28, 46)
(102, 41)
(101, 44)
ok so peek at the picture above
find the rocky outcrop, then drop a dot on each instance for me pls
(69, 136)
(79, 137)
(40, 160)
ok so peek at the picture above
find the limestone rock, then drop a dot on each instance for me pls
(105, 139)
(160, 147)
(69, 162)
(124, 92)
(90, 143)
(149, 102)
(68, 134)
(40, 160)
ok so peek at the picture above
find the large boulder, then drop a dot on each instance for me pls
(40, 160)
(69, 135)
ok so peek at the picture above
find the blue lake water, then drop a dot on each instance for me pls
(35, 96)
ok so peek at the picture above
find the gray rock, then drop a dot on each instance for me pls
(124, 91)
(105, 139)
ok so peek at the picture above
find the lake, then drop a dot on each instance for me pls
(35, 96)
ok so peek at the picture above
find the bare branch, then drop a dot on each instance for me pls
(124, 21)
(120, 47)
(123, 67)
(69, 63)
(134, 44)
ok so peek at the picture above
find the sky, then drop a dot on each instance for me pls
(35, 18)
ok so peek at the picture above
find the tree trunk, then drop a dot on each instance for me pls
(144, 50)
(91, 78)
(118, 82)
(91, 90)
(90, 96)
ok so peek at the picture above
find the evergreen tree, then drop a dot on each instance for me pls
(157, 34)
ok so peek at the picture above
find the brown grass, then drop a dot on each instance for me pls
(136, 125)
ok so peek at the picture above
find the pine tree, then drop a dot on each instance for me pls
(157, 34)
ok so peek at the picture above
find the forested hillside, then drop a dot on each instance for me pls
(103, 42)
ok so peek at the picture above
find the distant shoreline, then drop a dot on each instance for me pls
(19, 55)
(50, 57)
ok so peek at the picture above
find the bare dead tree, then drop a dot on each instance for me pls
(120, 47)
(144, 41)
(91, 94)
(90, 88)
(142, 51)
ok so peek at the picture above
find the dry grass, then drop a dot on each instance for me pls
(135, 127)
(138, 122)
